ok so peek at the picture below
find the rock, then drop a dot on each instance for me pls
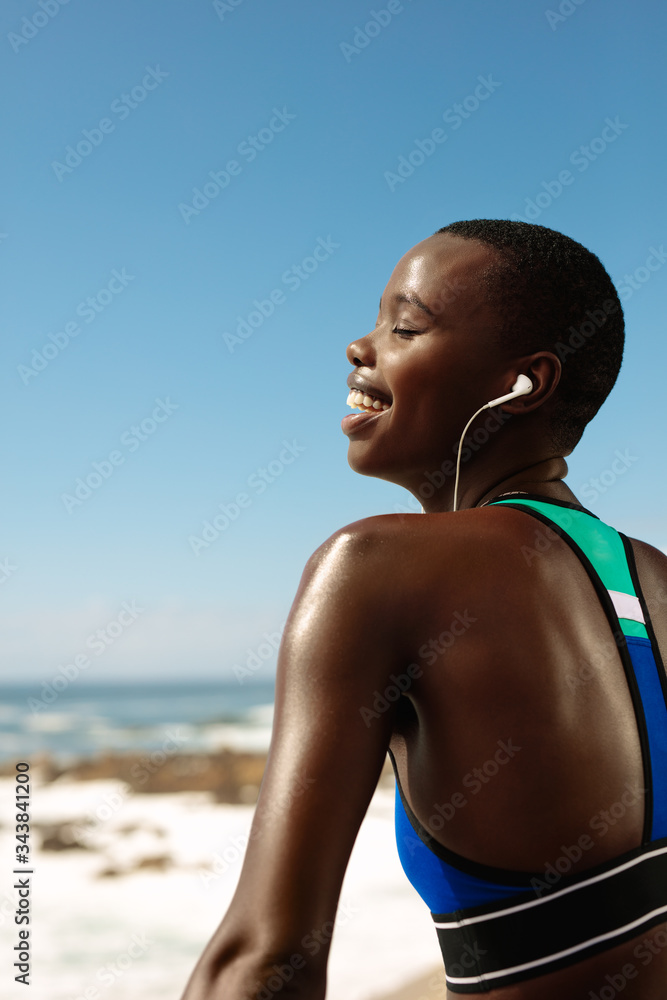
(159, 862)
(230, 776)
(59, 837)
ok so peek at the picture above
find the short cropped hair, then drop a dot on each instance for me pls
(551, 293)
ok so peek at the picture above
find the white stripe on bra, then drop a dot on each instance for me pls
(627, 606)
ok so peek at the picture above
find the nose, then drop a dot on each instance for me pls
(361, 352)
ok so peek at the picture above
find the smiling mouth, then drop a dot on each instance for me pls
(365, 402)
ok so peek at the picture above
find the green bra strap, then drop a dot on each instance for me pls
(603, 547)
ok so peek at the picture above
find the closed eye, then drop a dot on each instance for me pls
(402, 332)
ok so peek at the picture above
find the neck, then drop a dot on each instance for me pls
(544, 478)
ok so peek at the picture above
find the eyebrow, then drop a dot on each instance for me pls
(414, 300)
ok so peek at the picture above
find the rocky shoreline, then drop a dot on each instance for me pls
(231, 776)
(225, 777)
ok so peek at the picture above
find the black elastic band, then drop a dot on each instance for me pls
(539, 499)
(523, 938)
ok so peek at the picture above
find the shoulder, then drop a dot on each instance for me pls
(652, 570)
(377, 536)
(377, 541)
(359, 558)
(651, 563)
(375, 547)
(650, 553)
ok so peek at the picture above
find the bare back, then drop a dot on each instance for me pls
(517, 653)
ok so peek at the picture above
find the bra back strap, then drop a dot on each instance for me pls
(496, 945)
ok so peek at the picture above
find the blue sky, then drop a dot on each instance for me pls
(125, 289)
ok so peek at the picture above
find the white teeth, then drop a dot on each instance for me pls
(363, 401)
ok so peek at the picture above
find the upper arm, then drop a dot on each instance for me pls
(341, 644)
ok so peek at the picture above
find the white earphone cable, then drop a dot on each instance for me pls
(522, 386)
(458, 457)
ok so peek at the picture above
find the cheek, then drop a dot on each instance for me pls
(430, 408)
(415, 433)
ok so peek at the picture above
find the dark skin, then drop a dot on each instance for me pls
(381, 588)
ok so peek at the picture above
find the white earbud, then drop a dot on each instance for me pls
(521, 387)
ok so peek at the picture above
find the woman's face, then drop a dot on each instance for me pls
(432, 356)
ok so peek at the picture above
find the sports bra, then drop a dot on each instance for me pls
(498, 927)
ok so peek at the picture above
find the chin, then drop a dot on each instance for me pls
(373, 466)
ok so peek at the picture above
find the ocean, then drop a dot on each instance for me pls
(86, 719)
(126, 914)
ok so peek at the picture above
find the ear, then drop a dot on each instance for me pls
(544, 371)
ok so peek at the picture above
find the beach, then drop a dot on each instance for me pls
(135, 857)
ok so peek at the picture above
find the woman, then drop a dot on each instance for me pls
(529, 739)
